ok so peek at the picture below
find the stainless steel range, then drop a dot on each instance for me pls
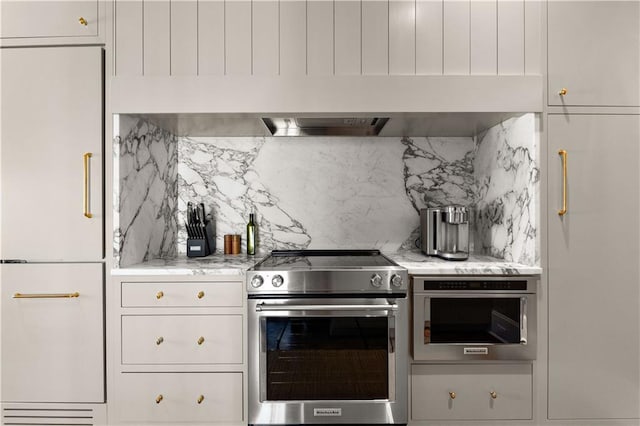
(328, 338)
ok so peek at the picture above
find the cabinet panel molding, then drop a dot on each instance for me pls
(429, 36)
(347, 37)
(484, 37)
(456, 37)
(265, 46)
(184, 37)
(511, 37)
(156, 37)
(237, 37)
(375, 37)
(293, 37)
(533, 14)
(402, 37)
(211, 37)
(128, 37)
(320, 37)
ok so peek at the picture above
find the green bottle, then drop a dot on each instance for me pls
(251, 235)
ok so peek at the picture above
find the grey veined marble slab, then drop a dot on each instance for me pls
(217, 264)
(420, 264)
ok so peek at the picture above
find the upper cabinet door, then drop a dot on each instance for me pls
(594, 53)
(52, 156)
(26, 19)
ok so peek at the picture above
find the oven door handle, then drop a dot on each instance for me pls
(523, 320)
(263, 307)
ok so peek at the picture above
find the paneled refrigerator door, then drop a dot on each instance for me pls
(52, 332)
(51, 167)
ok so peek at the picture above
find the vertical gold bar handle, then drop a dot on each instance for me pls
(87, 213)
(563, 210)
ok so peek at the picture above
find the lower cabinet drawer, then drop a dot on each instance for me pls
(471, 392)
(182, 339)
(180, 398)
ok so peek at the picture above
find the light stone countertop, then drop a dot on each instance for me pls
(416, 262)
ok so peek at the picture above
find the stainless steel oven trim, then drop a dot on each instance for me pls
(394, 411)
(328, 310)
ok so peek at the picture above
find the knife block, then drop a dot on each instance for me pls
(201, 240)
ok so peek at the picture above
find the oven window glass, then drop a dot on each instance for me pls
(473, 320)
(327, 358)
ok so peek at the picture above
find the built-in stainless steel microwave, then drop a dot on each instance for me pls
(474, 318)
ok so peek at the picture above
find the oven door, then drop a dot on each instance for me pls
(327, 360)
(468, 326)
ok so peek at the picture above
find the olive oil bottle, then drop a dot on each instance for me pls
(251, 235)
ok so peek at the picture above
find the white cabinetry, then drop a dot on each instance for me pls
(594, 52)
(178, 354)
(345, 37)
(51, 167)
(594, 292)
(471, 392)
(52, 347)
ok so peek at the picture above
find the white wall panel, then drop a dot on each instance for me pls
(456, 37)
(184, 37)
(211, 37)
(484, 37)
(156, 41)
(320, 37)
(533, 37)
(237, 37)
(293, 37)
(347, 40)
(265, 47)
(511, 37)
(375, 36)
(402, 37)
(128, 35)
(429, 36)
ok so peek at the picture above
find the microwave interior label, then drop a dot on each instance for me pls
(327, 412)
(476, 351)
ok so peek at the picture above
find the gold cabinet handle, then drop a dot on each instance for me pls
(159, 295)
(563, 91)
(493, 394)
(200, 294)
(159, 398)
(201, 340)
(82, 21)
(159, 340)
(85, 197)
(46, 295)
(200, 399)
(563, 210)
(452, 395)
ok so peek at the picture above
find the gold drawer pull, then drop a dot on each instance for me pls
(159, 398)
(159, 295)
(493, 394)
(201, 340)
(159, 340)
(82, 21)
(200, 399)
(563, 91)
(46, 295)
(563, 210)
(200, 294)
(85, 195)
(452, 395)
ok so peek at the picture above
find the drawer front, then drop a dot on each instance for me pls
(182, 339)
(48, 18)
(179, 398)
(468, 392)
(182, 294)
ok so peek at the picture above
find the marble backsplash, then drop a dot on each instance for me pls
(328, 192)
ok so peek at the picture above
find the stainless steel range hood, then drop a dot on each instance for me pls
(325, 126)
(451, 124)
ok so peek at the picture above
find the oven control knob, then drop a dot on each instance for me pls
(257, 281)
(277, 280)
(396, 280)
(376, 280)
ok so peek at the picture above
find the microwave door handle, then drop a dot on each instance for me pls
(523, 320)
(263, 307)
